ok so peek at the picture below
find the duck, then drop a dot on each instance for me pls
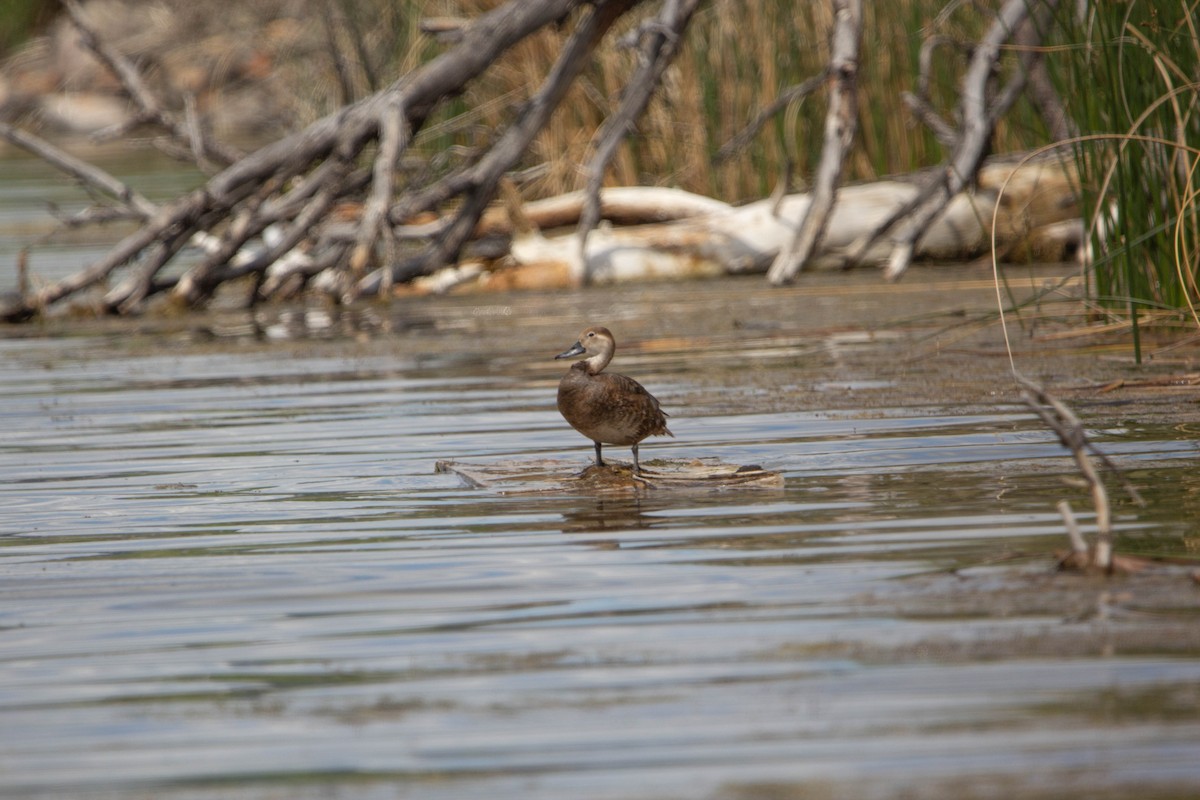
(606, 407)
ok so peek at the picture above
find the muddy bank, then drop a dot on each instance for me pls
(935, 337)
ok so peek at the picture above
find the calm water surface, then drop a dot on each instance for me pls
(229, 569)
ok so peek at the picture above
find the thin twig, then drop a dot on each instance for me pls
(340, 68)
(1070, 431)
(742, 139)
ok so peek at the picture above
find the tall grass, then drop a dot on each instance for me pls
(1130, 73)
(737, 57)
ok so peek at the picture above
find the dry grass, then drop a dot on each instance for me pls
(737, 58)
(309, 58)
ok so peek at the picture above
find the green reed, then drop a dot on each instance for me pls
(1129, 73)
(20, 19)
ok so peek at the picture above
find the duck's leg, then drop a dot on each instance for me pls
(637, 469)
(599, 460)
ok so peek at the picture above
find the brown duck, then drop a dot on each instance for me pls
(603, 406)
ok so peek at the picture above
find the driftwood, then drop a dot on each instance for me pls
(706, 239)
(332, 208)
(542, 476)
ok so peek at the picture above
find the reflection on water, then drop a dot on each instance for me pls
(229, 570)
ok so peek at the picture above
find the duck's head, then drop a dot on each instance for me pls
(597, 345)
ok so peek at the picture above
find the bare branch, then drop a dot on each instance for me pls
(81, 170)
(785, 98)
(484, 176)
(1070, 431)
(151, 109)
(841, 121)
(139, 284)
(943, 131)
(929, 48)
(1079, 548)
(1041, 89)
(661, 46)
(392, 142)
(295, 233)
(978, 122)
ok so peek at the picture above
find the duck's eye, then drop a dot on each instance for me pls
(591, 335)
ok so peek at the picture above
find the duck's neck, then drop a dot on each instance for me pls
(595, 364)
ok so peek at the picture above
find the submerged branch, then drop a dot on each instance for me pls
(1071, 434)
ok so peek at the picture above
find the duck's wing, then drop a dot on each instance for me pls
(630, 400)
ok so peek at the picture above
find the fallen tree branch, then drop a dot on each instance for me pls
(978, 121)
(841, 120)
(298, 158)
(481, 179)
(662, 40)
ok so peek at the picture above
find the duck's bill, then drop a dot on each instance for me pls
(576, 349)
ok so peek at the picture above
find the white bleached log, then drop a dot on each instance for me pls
(748, 238)
(626, 205)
